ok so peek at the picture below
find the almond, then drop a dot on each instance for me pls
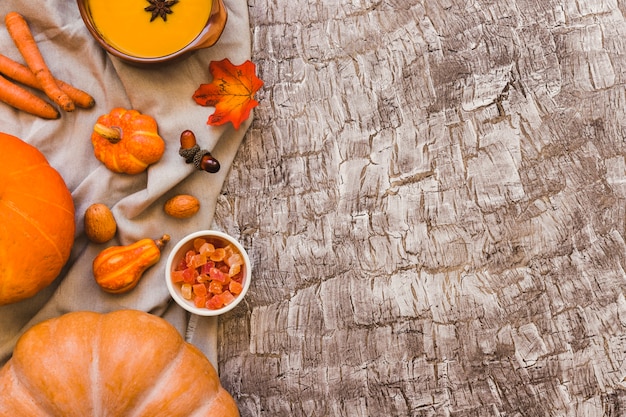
(100, 225)
(182, 206)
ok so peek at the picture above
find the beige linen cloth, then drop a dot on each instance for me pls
(136, 200)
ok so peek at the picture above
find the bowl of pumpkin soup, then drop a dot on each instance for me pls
(148, 32)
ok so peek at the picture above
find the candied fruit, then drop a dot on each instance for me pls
(209, 275)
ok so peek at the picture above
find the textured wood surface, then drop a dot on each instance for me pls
(432, 193)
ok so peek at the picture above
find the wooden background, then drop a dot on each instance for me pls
(432, 193)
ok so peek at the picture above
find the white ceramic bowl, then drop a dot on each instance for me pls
(219, 239)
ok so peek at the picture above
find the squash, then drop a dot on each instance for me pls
(126, 141)
(37, 222)
(121, 363)
(118, 269)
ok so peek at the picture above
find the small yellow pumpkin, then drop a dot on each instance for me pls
(126, 141)
(118, 269)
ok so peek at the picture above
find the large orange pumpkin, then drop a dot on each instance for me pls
(36, 221)
(124, 363)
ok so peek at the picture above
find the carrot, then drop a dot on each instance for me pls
(79, 97)
(22, 99)
(24, 75)
(23, 39)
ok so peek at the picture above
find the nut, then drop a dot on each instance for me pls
(100, 225)
(182, 206)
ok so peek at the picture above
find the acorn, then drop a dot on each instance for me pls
(201, 158)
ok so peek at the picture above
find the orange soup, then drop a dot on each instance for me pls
(126, 25)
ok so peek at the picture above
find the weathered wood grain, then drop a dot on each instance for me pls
(433, 196)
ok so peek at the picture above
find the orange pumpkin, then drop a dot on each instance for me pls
(126, 141)
(36, 221)
(124, 363)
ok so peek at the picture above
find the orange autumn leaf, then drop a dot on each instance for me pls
(231, 92)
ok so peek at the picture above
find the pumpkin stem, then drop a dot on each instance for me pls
(160, 243)
(113, 133)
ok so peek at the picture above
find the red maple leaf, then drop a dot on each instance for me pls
(231, 92)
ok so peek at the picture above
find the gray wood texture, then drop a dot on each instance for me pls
(432, 193)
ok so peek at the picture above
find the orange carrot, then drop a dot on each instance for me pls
(24, 75)
(23, 39)
(22, 99)
(79, 97)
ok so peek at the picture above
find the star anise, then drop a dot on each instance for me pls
(160, 8)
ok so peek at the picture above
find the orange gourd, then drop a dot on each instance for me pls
(118, 269)
(124, 363)
(126, 141)
(36, 221)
